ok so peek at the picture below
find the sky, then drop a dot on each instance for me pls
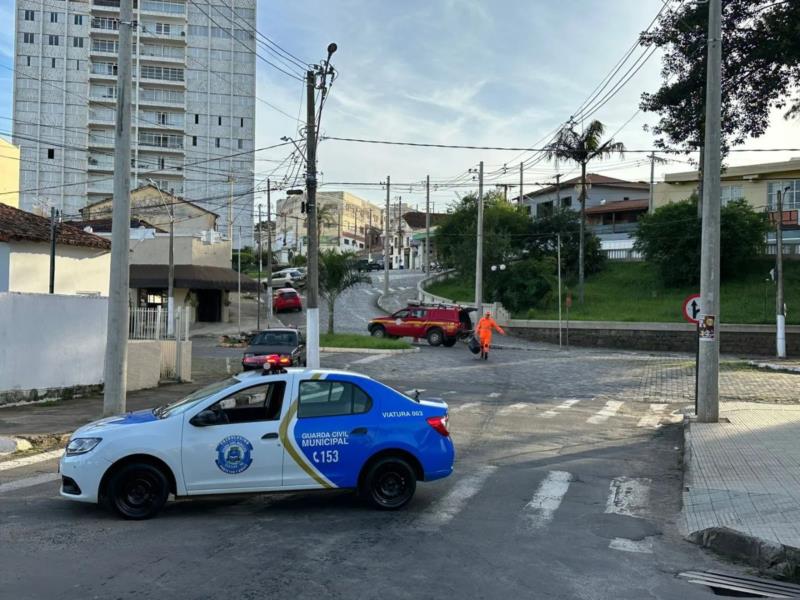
(470, 72)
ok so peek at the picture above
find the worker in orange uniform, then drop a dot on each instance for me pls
(483, 331)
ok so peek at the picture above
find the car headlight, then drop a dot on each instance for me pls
(82, 445)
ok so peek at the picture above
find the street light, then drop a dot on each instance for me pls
(501, 267)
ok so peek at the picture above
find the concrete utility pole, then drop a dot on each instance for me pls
(650, 203)
(479, 249)
(230, 213)
(708, 355)
(53, 231)
(521, 192)
(258, 288)
(428, 224)
(116, 359)
(780, 309)
(269, 254)
(386, 239)
(312, 283)
(239, 282)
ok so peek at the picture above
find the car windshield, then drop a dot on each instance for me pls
(275, 338)
(185, 403)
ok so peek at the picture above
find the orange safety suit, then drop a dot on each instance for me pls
(483, 330)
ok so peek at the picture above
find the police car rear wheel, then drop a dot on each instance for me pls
(390, 483)
(138, 491)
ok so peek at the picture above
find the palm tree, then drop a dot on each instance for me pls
(582, 148)
(337, 272)
(326, 217)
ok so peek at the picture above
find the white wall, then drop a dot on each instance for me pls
(78, 269)
(51, 341)
(5, 257)
(187, 250)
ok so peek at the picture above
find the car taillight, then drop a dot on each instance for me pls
(439, 424)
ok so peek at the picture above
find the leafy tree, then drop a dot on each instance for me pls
(337, 273)
(504, 229)
(581, 148)
(670, 239)
(542, 242)
(761, 69)
(523, 283)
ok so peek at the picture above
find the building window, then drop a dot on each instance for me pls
(790, 198)
(216, 142)
(77, 65)
(162, 28)
(241, 122)
(240, 144)
(27, 61)
(27, 38)
(51, 153)
(196, 118)
(219, 120)
(194, 140)
(53, 63)
(77, 42)
(161, 162)
(162, 118)
(29, 15)
(52, 40)
(566, 202)
(730, 193)
(78, 19)
(54, 17)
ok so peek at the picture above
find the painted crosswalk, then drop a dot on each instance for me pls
(554, 412)
(609, 410)
(545, 502)
(448, 506)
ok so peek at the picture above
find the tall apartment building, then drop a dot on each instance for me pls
(193, 101)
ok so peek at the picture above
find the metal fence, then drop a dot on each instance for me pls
(622, 254)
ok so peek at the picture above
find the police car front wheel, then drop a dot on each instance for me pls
(138, 491)
(389, 484)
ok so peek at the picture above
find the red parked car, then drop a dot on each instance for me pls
(286, 299)
(440, 324)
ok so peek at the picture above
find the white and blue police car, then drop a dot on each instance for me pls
(263, 431)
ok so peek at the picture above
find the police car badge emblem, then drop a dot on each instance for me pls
(234, 455)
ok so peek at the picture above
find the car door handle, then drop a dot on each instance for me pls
(359, 431)
(269, 436)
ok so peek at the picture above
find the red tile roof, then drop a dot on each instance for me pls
(594, 179)
(621, 206)
(18, 225)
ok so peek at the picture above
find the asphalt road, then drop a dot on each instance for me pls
(356, 306)
(566, 485)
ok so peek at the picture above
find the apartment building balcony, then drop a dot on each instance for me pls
(162, 98)
(163, 8)
(101, 140)
(162, 53)
(106, 117)
(150, 31)
(100, 164)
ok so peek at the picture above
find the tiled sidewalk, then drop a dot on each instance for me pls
(745, 475)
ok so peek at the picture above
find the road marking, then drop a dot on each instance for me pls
(368, 292)
(545, 502)
(28, 482)
(369, 359)
(465, 406)
(513, 408)
(628, 496)
(653, 421)
(494, 395)
(608, 411)
(449, 392)
(644, 546)
(30, 460)
(228, 365)
(443, 510)
(554, 412)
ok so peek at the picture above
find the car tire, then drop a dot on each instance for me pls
(389, 484)
(435, 336)
(449, 342)
(138, 491)
(378, 332)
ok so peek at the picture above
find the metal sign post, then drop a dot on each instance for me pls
(692, 311)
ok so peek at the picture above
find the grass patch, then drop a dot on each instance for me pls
(354, 340)
(632, 292)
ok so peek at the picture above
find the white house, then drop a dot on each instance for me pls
(82, 260)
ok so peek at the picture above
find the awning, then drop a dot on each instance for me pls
(190, 276)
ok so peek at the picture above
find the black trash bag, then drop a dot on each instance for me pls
(474, 345)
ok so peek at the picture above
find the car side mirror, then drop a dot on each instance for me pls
(204, 418)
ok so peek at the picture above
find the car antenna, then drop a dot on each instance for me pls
(416, 395)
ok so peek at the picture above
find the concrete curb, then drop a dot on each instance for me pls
(769, 558)
(381, 306)
(773, 366)
(370, 350)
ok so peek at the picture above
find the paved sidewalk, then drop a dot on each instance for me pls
(742, 486)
